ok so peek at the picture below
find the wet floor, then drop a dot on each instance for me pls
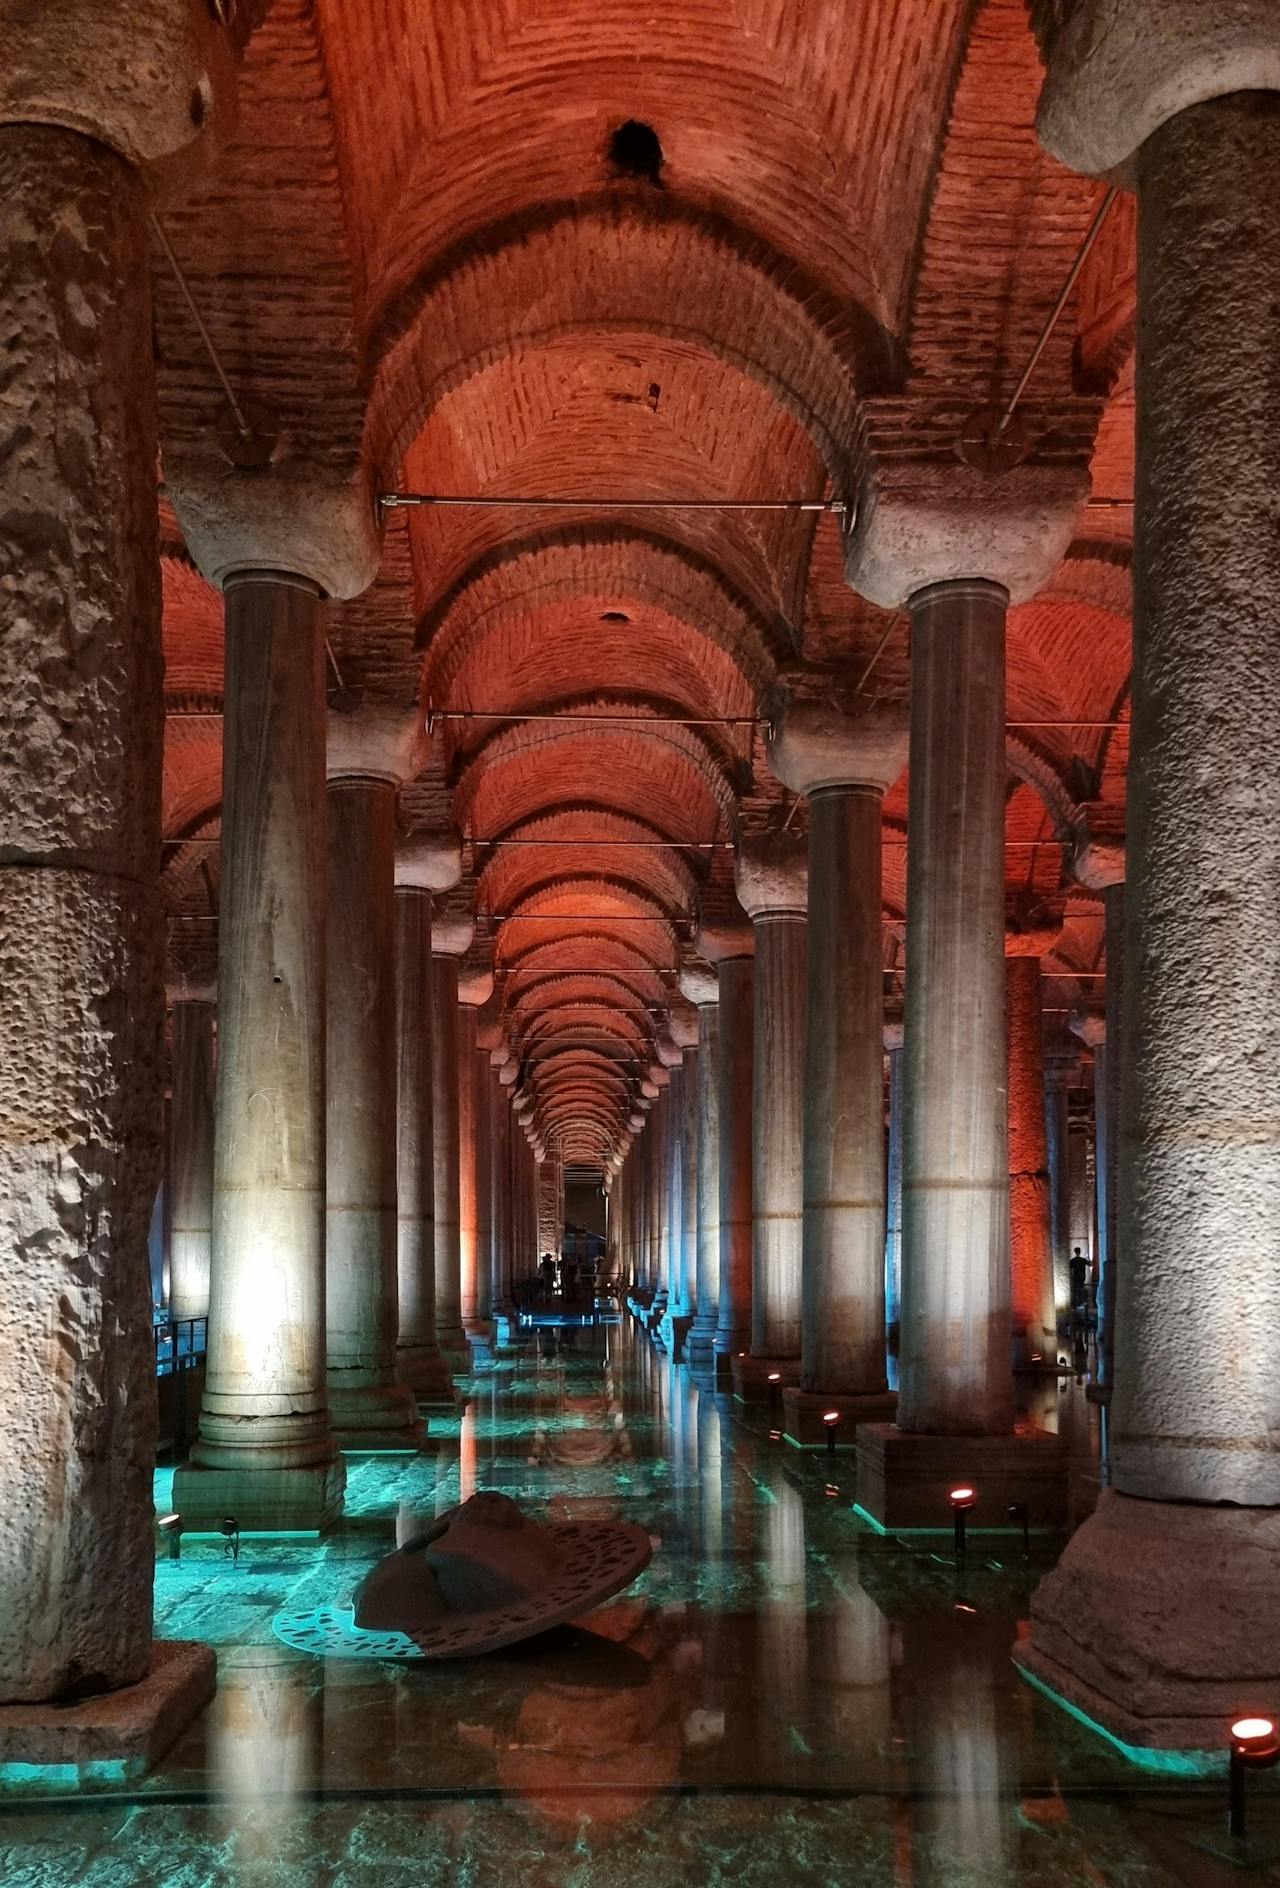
(783, 1697)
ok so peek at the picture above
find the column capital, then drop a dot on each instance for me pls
(699, 983)
(926, 517)
(832, 743)
(893, 1037)
(670, 1054)
(1097, 859)
(148, 80)
(451, 933)
(1089, 1026)
(724, 929)
(429, 861)
(771, 874)
(376, 741)
(475, 987)
(1119, 69)
(283, 519)
(682, 1020)
(191, 966)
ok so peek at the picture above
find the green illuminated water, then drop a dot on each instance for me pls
(786, 1696)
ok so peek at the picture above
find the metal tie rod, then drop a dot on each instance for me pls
(392, 501)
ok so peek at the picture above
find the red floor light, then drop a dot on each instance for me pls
(831, 1422)
(1254, 1746)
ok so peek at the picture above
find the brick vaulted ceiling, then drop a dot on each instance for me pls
(418, 246)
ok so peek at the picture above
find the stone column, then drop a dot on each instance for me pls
(843, 759)
(81, 926)
(475, 988)
(421, 1364)
(1034, 1319)
(1166, 92)
(451, 935)
(893, 1034)
(700, 984)
(935, 534)
(1059, 1069)
(192, 1014)
(728, 943)
(771, 884)
(371, 753)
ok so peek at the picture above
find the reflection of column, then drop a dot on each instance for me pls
(421, 1364)
(265, 1731)
(80, 779)
(702, 987)
(957, 1701)
(1030, 1248)
(370, 754)
(782, 1612)
(771, 882)
(191, 1156)
(893, 1183)
(450, 939)
(1195, 1467)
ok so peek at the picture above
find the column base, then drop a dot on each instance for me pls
(116, 1736)
(700, 1346)
(260, 1500)
(750, 1378)
(427, 1377)
(455, 1350)
(904, 1479)
(675, 1329)
(375, 1418)
(480, 1341)
(1159, 1622)
(803, 1412)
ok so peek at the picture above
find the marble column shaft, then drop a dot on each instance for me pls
(446, 1098)
(422, 1366)
(844, 1175)
(734, 1091)
(893, 1195)
(368, 1403)
(955, 1342)
(777, 1151)
(191, 1127)
(1032, 1309)
(702, 1334)
(689, 1116)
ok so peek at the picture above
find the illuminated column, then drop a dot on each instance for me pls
(371, 753)
(701, 986)
(893, 1185)
(770, 874)
(422, 1366)
(934, 536)
(451, 934)
(842, 757)
(1167, 92)
(475, 988)
(81, 925)
(1033, 1315)
(1059, 1069)
(727, 941)
(192, 1013)
(1098, 861)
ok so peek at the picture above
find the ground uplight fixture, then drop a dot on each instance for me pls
(962, 1499)
(1254, 1746)
(831, 1422)
(170, 1526)
(231, 1540)
(1020, 1515)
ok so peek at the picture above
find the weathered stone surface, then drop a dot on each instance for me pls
(1160, 1619)
(770, 874)
(378, 740)
(132, 1727)
(420, 1363)
(190, 1179)
(80, 1160)
(446, 1152)
(828, 743)
(904, 1479)
(1119, 69)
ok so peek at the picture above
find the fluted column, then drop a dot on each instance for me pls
(371, 753)
(770, 873)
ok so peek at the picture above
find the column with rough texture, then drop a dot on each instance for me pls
(771, 885)
(451, 935)
(371, 753)
(1169, 92)
(475, 988)
(699, 983)
(420, 1362)
(1032, 1312)
(893, 1185)
(842, 758)
(81, 931)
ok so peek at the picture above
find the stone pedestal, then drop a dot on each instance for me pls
(117, 1736)
(262, 1500)
(750, 1378)
(904, 1479)
(804, 1410)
